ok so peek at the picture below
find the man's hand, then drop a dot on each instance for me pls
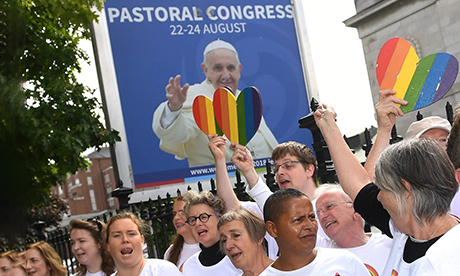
(175, 93)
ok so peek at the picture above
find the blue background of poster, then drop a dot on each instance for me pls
(147, 53)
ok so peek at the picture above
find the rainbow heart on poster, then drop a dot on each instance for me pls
(203, 112)
(237, 118)
(419, 82)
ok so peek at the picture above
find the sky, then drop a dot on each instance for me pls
(338, 63)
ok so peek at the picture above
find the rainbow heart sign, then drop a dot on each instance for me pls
(238, 118)
(419, 82)
(203, 112)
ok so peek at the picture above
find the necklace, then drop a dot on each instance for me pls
(421, 241)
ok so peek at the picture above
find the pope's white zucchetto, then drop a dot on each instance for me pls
(219, 44)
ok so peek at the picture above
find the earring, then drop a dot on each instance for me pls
(208, 80)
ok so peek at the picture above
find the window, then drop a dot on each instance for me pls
(106, 178)
(93, 199)
(90, 180)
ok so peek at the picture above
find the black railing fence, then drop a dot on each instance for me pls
(158, 213)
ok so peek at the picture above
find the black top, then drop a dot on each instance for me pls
(211, 255)
(368, 206)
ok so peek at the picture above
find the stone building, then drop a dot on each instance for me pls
(431, 26)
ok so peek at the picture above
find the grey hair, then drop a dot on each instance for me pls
(336, 187)
(332, 186)
(424, 164)
(254, 225)
(214, 201)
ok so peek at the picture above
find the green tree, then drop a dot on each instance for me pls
(47, 118)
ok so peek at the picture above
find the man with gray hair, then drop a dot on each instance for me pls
(344, 226)
(173, 121)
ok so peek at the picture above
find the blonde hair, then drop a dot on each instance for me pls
(51, 257)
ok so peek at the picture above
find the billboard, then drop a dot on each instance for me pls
(144, 43)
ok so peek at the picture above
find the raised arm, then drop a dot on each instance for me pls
(242, 159)
(224, 186)
(387, 110)
(352, 175)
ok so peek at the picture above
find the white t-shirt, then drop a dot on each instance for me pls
(157, 267)
(193, 267)
(260, 192)
(99, 273)
(455, 205)
(374, 253)
(187, 251)
(442, 258)
(328, 261)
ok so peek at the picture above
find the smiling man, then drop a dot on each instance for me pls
(344, 227)
(290, 219)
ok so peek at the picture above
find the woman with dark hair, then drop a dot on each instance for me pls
(125, 240)
(203, 211)
(88, 246)
(42, 260)
(410, 200)
(184, 244)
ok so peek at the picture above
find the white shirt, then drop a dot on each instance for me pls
(193, 267)
(187, 251)
(157, 267)
(442, 258)
(328, 261)
(374, 253)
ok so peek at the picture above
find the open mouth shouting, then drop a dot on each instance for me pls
(126, 251)
(284, 183)
(179, 224)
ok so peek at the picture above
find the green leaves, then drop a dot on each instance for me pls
(47, 118)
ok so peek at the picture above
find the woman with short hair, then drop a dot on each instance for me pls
(410, 200)
(241, 238)
(203, 211)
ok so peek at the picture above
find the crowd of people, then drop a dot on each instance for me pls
(409, 191)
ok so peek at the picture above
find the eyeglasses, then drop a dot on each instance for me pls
(329, 206)
(286, 165)
(203, 217)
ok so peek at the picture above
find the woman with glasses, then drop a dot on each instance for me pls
(88, 246)
(203, 211)
(184, 244)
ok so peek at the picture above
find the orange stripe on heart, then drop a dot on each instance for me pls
(420, 82)
(237, 118)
